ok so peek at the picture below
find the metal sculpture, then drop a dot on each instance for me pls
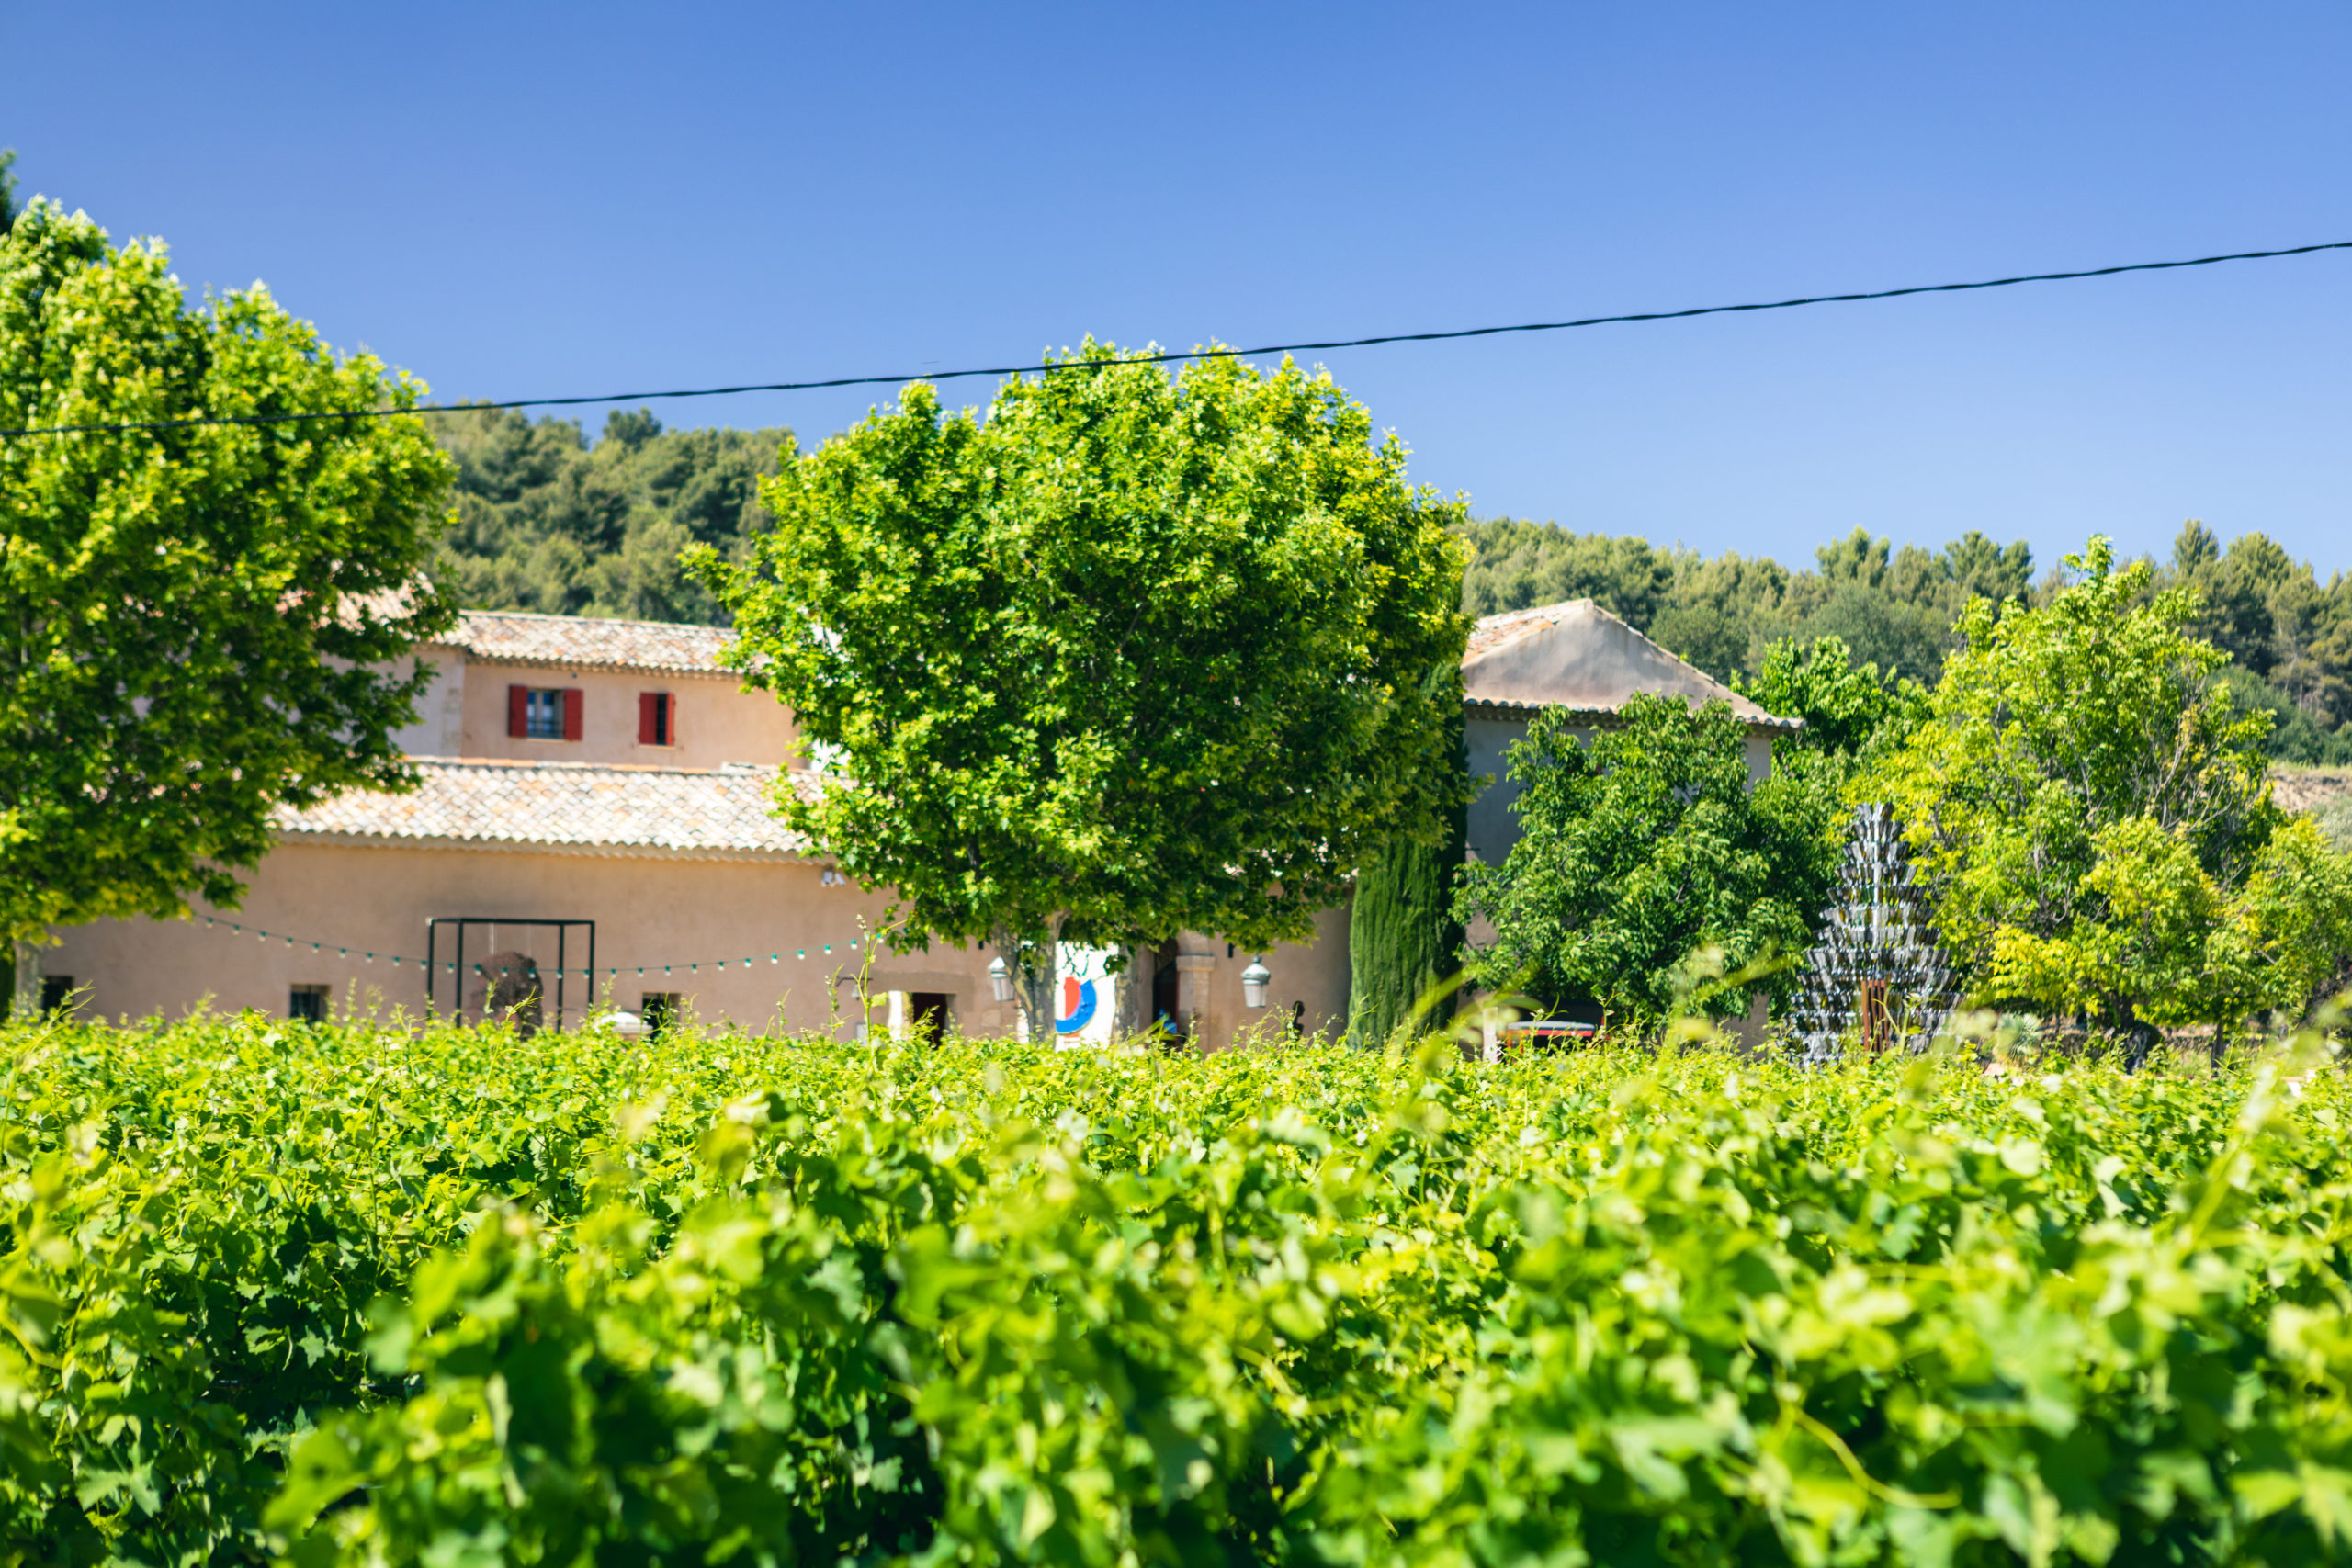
(1879, 972)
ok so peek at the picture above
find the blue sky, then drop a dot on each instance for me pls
(517, 201)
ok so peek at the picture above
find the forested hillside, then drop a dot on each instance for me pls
(548, 521)
(1894, 609)
(2289, 635)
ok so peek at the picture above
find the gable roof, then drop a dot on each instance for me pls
(565, 808)
(1576, 655)
(587, 642)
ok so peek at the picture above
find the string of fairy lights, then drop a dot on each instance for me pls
(856, 945)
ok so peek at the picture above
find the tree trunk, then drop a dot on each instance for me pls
(1038, 993)
(1032, 960)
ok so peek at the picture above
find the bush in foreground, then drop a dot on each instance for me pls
(357, 1295)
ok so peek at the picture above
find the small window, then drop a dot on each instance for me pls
(544, 713)
(308, 1004)
(657, 718)
(659, 1011)
(56, 992)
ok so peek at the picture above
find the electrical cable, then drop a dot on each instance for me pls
(1173, 358)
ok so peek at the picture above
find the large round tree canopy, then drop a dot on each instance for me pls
(1136, 652)
(200, 623)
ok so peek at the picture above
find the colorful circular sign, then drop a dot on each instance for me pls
(1078, 1001)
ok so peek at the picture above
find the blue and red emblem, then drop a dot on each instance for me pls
(1077, 1005)
(1078, 1002)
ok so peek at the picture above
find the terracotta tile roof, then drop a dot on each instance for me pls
(585, 642)
(567, 808)
(1493, 631)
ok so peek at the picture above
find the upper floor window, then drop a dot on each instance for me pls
(538, 713)
(657, 718)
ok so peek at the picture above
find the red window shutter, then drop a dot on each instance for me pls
(572, 706)
(649, 722)
(669, 719)
(518, 711)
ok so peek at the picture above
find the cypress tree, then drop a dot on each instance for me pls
(1402, 937)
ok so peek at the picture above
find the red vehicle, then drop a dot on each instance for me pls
(1547, 1035)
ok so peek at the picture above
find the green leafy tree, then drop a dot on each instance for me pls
(1642, 848)
(1135, 654)
(2163, 931)
(197, 625)
(2090, 806)
(1845, 706)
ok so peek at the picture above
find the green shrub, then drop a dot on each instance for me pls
(350, 1294)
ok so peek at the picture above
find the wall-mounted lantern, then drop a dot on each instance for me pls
(1254, 981)
(1000, 980)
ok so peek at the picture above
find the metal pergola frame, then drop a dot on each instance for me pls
(457, 981)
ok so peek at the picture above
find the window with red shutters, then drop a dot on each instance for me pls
(657, 718)
(545, 713)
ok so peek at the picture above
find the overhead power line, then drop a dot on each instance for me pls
(1174, 357)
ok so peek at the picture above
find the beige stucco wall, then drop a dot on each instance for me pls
(1210, 991)
(698, 918)
(648, 912)
(1314, 972)
(1211, 999)
(440, 713)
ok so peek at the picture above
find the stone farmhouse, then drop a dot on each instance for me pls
(592, 828)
